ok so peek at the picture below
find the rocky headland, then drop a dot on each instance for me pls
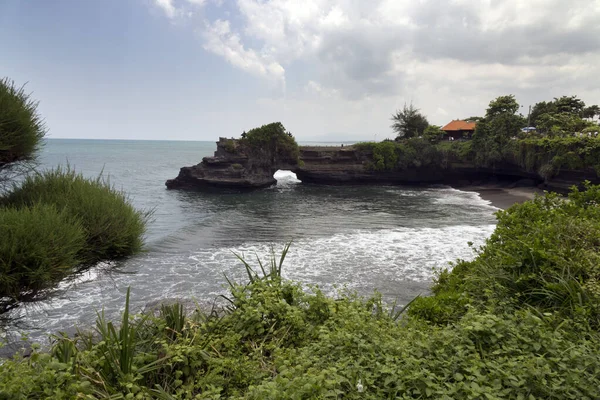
(236, 166)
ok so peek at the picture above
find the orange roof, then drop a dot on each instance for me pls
(459, 125)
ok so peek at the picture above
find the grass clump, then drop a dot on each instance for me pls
(113, 227)
(39, 246)
(21, 127)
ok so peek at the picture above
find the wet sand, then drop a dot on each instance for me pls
(504, 197)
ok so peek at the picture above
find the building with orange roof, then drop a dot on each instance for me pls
(458, 129)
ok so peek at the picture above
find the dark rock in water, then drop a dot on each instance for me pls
(22, 348)
(234, 166)
(153, 307)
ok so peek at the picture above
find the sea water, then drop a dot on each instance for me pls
(363, 238)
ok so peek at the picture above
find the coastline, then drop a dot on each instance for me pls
(504, 197)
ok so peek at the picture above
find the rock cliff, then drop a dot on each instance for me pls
(346, 165)
(233, 166)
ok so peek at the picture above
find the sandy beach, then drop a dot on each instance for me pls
(504, 197)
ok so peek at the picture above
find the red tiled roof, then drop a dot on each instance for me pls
(459, 125)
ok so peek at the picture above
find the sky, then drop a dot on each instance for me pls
(329, 70)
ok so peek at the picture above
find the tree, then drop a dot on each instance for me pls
(591, 111)
(502, 118)
(433, 133)
(539, 109)
(569, 104)
(561, 124)
(503, 105)
(409, 122)
(501, 123)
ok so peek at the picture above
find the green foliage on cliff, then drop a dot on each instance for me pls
(549, 155)
(273, 142)
(519, 321)
(397, 156)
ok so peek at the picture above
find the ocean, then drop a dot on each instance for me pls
(362, 238)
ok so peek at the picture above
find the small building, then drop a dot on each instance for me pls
(528, 129)
(459, 129)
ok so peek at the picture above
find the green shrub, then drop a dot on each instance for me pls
(21, 127)
(272, 142)
(543, 254)
(113, 227)
(230, 146)
(38, 247)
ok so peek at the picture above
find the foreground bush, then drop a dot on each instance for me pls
(21, 127)
(38, 247)
(544, 254)
(113, 227)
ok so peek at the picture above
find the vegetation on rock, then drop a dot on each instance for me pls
(271, 142)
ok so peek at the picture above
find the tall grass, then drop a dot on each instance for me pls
(39, 245)
(113, 227)
(21, 127)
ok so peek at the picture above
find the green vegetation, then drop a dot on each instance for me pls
(54, 223)
(21, 132)
(230, 146)
(563, 116)
(396, 156)
(113, 227)
(565, 139)
(409, 122)
(271, 142)
(519, 321)
(21, 127)
(39, 245)
(543, 256)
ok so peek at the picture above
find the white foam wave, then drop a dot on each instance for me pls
(285, 176)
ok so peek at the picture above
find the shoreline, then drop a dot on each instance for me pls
(503, 197)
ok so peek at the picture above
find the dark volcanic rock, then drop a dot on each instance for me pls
(233, 166)
(346, 165)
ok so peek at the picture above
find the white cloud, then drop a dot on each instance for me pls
(178, 8)
(167, 6)
(450, 58)
(219, 39)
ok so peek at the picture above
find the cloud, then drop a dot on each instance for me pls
(220, 40)
(449, 57)
(174, 8)
(167, 6)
